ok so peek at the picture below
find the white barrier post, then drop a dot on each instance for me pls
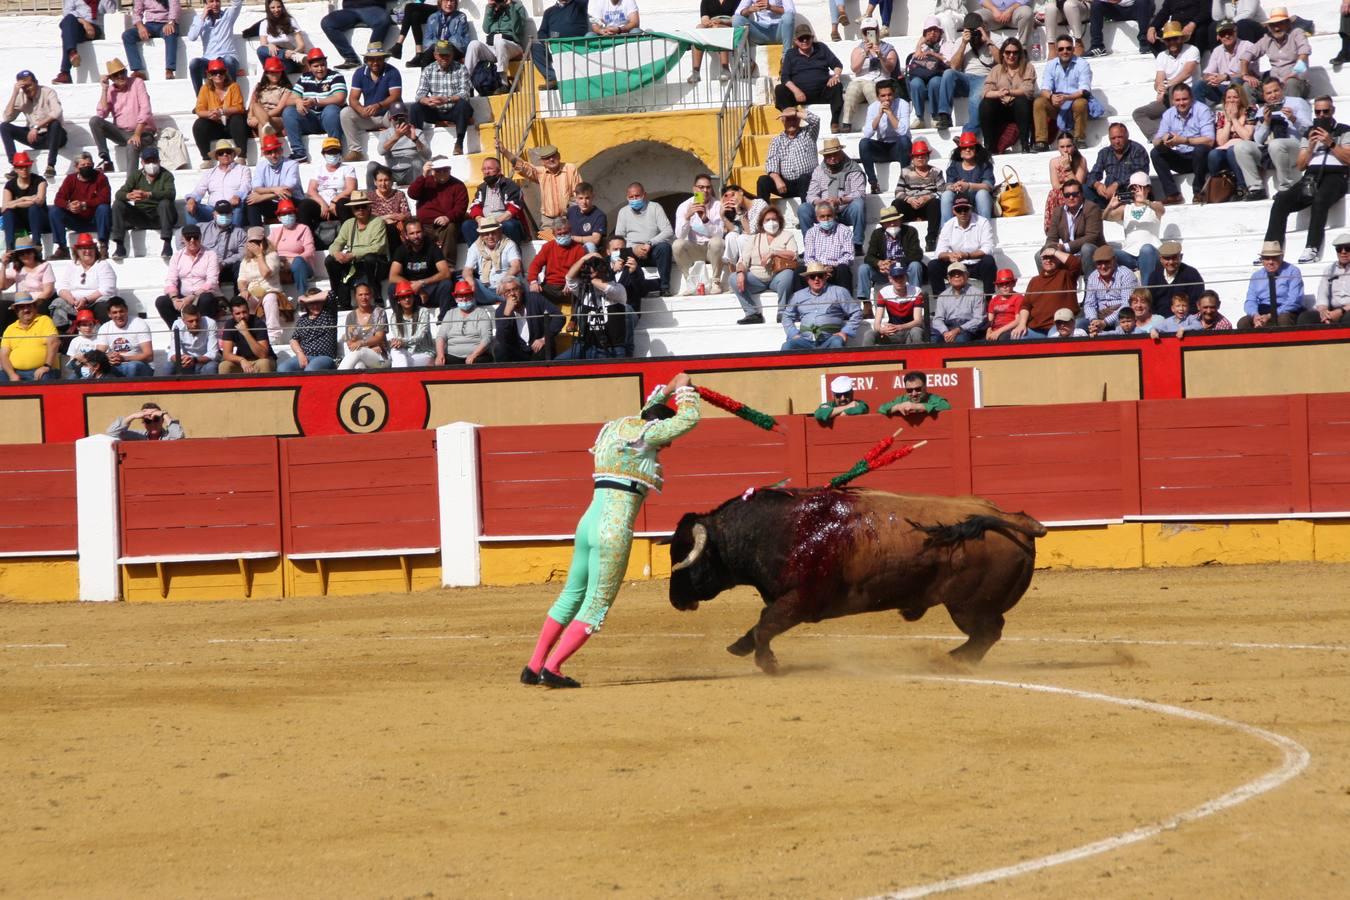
(461, 517)
(96, 500)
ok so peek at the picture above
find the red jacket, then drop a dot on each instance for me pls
(94, 193)
(435, 200)
(558, 259)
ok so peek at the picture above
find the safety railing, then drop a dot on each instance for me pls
(521, 108)
(736, 103)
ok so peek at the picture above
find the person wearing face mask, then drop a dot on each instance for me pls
(295, 245)
(499, 199)
(229, 181)
(276, 178)
(465, 334)
(332, 183)
(768, 261)
(647, 230)
(893, 245)
(146, 200)
(226, 240)
(84, 203)
(841, 183)
(548, 270)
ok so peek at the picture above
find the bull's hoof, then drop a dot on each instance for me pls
(743, 647)
(767, 664)
(913, 615)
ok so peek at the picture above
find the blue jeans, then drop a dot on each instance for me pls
(1226, 160)
(315, 364)
(805, 342)
(1146, 262)
(131, 42)
(468, 229)
(325, 120)
(965, 337)
(959, 84)
(931, 92)
(781, 284)
(485, 295)
(984, 204)
(871, 152)
(265, 53)
(302, 273)
(135, 369)
(337, 23)
(205, 212)
(851, 215)
(31, 375)
(197, 69)
(100, 223)
(767, 34)
(72, 35)
(207, 368)
(34, 218)
(868, 277)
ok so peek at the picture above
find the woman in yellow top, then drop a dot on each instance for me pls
(626, 468)
(220, 113)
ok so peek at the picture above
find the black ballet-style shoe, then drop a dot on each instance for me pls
(557, 680)
(529, 676)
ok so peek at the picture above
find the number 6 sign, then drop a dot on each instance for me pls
(362, 409)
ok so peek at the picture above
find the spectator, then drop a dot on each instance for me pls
(157, 424)
(88, 283)
(123, 114)
(614, 17)
(280, 38)
(1287, 50)
(1066, 99)
(25, 200)
(1107, 290)
(465, 334)
(885, 133)
(147, 199)
(30, 349)
(354, 14)
(226, 240)
(244, 345)
(1176, 64)
(194, 344)
(959, 314)
(1181, 318)
(792, 156)
(1145, 319)
(872, 62)
(442, 203)
(1231, 127)
(43, 128)
(409, 336)
(830, 244)
(549, 268)
(450, 24)
(320, 95)
(360, 253)
(699, 228)
(1064, 327)
(1181, 144)
(153, 19)
(899, 312)
(390, 204)
(1001, 15)
(416, 14)
(333, 184)
(499, 200)
(566, 19)
(970, 64)
(950, 14)
(1137, 11)
(557, 181)
(768, 261)
(970, 176)
(892, 245)
(1331, 303)
(1053, 288)
(193, 277)
(1170, 275)
(646, 229)
(272, 96)
(923, 70)
(1141, 217)
(81, 21)
(126, 340)
(504, 32)
(841, 402)
(215, 27)
(295, 245)
(229, 181)
(821, 316)
(84, 342)
(714, 14)
(404, 150)
(1077, 226)
(375, 87)
(1066, 165)
(1116, 164)
(1005, 307)
(27, 274)
(259, 280)
(275, 179)
(1229, 64)
(492, 259)
(740, 219)
(1208, 310)
(314, 337)
(1008, 94)
(588, 222)
(1242, 12)
(811, 73)
(1343, 55)
(1323, 156)
(1280, 123)
(766, 22)
(83, 203)
(1275, 291)
(968, 239)
(525, 326)
(220, 113)
(624, 266)
(421, 262)
(601, 318)
(916, 400)
(1195, 14)
(1126, 324)
(918, 191)
(1077, 13)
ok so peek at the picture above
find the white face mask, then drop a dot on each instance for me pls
(222, 220)
(152, 169)
(288, 220)
(466, 305)
(332, 158)
(893, 231)
(773, 226)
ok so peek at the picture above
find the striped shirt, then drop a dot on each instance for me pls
(832, 249)
(310, 88)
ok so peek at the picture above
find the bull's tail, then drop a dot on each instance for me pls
(1015, 527)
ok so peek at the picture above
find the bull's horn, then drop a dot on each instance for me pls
(700, 539)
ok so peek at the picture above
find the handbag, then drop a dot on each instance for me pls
(1219, 189)
(924, 68)
(1013, 199)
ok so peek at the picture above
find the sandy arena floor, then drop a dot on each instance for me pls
(382, 747)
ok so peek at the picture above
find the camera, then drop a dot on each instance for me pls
(1278, 124)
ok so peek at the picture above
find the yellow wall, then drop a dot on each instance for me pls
(1091, 547)
(541, 562)
(361, 575)
(205, 414)
(583, 137)
(557, 401)
(216, 580)
(39, 580)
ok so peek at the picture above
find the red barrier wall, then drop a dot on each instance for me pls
(1329, 451)
(38, 484)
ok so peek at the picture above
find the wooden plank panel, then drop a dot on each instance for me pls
(337, 477)
(189, 481)
(354, 536)
(1230, 475)
(172, 542)
(36, 485)
(542, 520)
(1212, 442)
(1059, 506)
(541, 464)
(520, 495)
(1328, 437)
(1068, 418)
(1024, 479)
(518, 438)
(1212, 412)
(389, 445)
(1095, 450)
(34, 515)
(1206, 501)
(207, 454)
(391, 508)
(38, 538)
(38, 457)
(250, 508)
(1330, 497)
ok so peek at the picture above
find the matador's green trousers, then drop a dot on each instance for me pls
(603, 542)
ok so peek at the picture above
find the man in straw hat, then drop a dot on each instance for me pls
(360, 252)
(375, 87)
(230, 181)
(1274, 292)
(821, 316)
(123, 114)
(1287, 50)
(792, 156)
(1176, 64)
(840, 182)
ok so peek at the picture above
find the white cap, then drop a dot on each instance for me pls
(841, 384)
(1063, 315)
(1139, 178)
(868, 23)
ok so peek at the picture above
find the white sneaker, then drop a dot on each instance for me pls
(1310, 255)
(693, 79)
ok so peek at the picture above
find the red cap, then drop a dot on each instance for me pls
(270, 142)
(316, 53)
(462, 289)
(405, 289)
(1005, 276)
(216, 65)
(84, 315)
(920, 147)
(968, 139)
(22, 159)
(286, 206)
(85, 239)
(273, 64)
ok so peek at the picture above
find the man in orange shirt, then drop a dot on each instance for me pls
(557, 181)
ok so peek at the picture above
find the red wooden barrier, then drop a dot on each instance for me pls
(200, 497)
(360, 492)
(833, 449)
(38, 484)
(1329, 451)
(535, 480)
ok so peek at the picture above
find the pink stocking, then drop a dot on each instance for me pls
(576, 634)
(548, 635)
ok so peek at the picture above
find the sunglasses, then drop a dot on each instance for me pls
(191, 239)
(217, 74)
(1343, 249)
(1323, 112)
(815, 275)
(806, 38)
(1068, 194)
(1067, 48)
(1012, 52)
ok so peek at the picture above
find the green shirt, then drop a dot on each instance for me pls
(933, 404)
(855, 408)
(359, 242)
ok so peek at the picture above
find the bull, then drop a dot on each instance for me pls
(821, 553)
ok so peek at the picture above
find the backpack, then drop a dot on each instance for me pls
(485, 79)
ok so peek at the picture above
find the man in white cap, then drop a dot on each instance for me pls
(872, 60)
(1332, 303)
(959, 312)
(1064, 325)
(841, 402)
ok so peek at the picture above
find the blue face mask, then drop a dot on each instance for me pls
(563, 240)
(222, 220)
(288, 220)
(466, 305)
(637, 205)
(828, 225)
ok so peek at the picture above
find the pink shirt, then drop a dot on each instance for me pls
(130, 106)
(188, 275)
(152, 11)
(297, 241)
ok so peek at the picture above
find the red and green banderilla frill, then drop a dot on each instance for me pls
(737, 408)
(878, 456)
